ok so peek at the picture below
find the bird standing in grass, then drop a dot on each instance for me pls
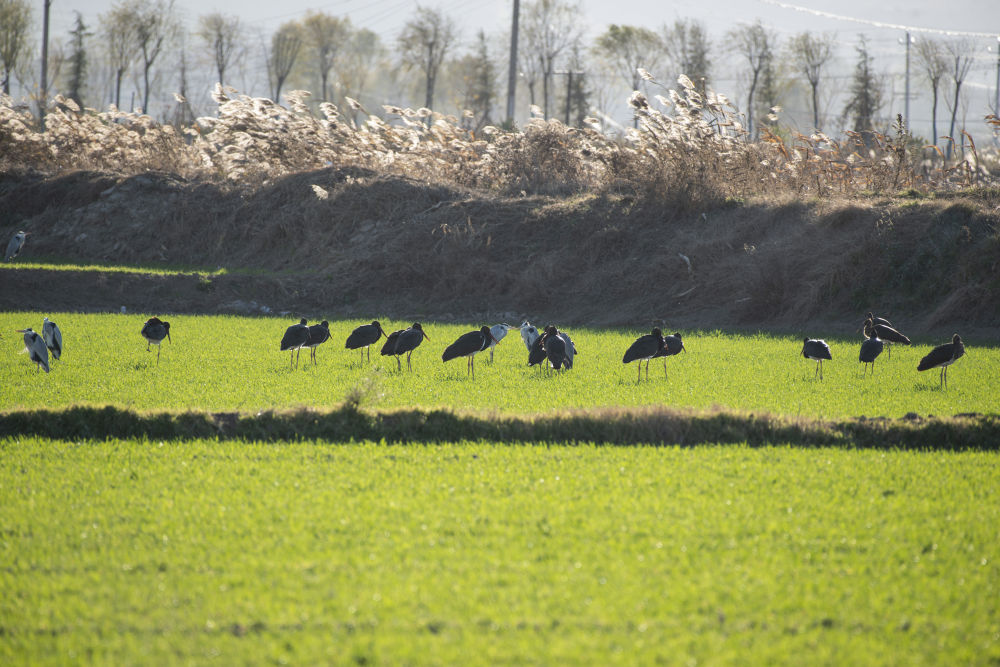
(498, 331)
(318, 334)
(529, 334)
(468, 345)
(870, 349)
(34, 345)
(645, 348)
(407, 341)
(672, 345)
(555, 347)
(154, 331)
(296, 337)
(816, 350)
(885, 332)
(15, 245)
(52, 337)
(365, 336)
(943, 356)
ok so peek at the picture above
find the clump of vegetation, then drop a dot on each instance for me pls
(689, 149)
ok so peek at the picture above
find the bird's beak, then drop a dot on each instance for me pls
(21, 330)
(425, 334)
(683, 349)
(168, 338)
(494, 339)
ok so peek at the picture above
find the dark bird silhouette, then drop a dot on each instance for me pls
(536, 351)
(468, 345)
(296, 337)
(645, 347)
(943, 356)
(34, 345)
(318, 334)
(886, 334)
(389, 347)
(364, 336)
(877, 320)
(870, 348)
(15, 245)
(672, 345)
(154, 330)
(52, 337)
(555, 348)
(817, 350)
(407, 342)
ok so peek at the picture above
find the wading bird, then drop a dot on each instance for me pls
(498, 331)
(886, 333)
(943, 356)
(389, 347)
(296, 337)
(154, 331)
(816, 350)
(555, 347)
(870, 348)
(15, 245)
(35, 347)
(645, 348)
(529, 334)
(364, 336)
(468, 345)
(318, 334)
(52, 337)
(536, 353)
(672, 345)
(407, 342)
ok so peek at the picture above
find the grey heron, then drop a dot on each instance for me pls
(498, 331)
(15, 245)
(34, 345)
(52, 337)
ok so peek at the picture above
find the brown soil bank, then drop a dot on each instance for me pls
(371, 244)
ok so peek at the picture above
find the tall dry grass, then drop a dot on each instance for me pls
(688, 150)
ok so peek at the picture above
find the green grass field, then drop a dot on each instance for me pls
(245, 553)
(233, 363)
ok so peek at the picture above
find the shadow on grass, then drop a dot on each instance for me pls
(607, 426)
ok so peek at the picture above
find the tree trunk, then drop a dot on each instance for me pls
(545, 95)
(118, 87)
(753, 88)
(145, 95)
(934, 113)
(815, 87)
(954, 113)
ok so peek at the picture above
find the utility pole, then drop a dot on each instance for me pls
(907, 105)
(512, 72)
(996, 90)
(44, 92)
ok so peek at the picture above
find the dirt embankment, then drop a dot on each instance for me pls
(367, 244)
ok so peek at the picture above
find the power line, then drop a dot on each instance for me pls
(878, 24)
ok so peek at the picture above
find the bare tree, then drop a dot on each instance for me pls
(932, 59)
(626, 49)
(550, 28)
(325, 35)
(155, 24)
(286, 43)
(221, 35)
(15, 21)
(361, 59)
(423, 43)
(687, 45)
(809, 54)
(119, 30)
(959, 54)
(753, 42)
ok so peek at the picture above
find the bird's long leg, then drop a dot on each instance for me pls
(944, 376)
(638, 376)
(664, 368)
(409, 366)
(290, 359)
(157, 355)
(888, 350)
(399, 364)
(647, 369)
(816, 372)
(368, 348)
(472, 366)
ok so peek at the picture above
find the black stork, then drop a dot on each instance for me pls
(555, 347)
(296, 337)
(816, 350)
(943, 356)
(870, 348)
(468, 345)
(536, 351)
(15, 245)
(154, 330)
(389, 347)
(672, 345)
(52, 337)
(318, 334)
(364, 336)
(886, 333)
(877, 320)
(34, 345)
(645, 347)
(407, 341)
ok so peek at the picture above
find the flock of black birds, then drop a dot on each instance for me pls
(880, 335)
(551, 345)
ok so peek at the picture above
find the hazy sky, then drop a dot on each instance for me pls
(387, 16)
